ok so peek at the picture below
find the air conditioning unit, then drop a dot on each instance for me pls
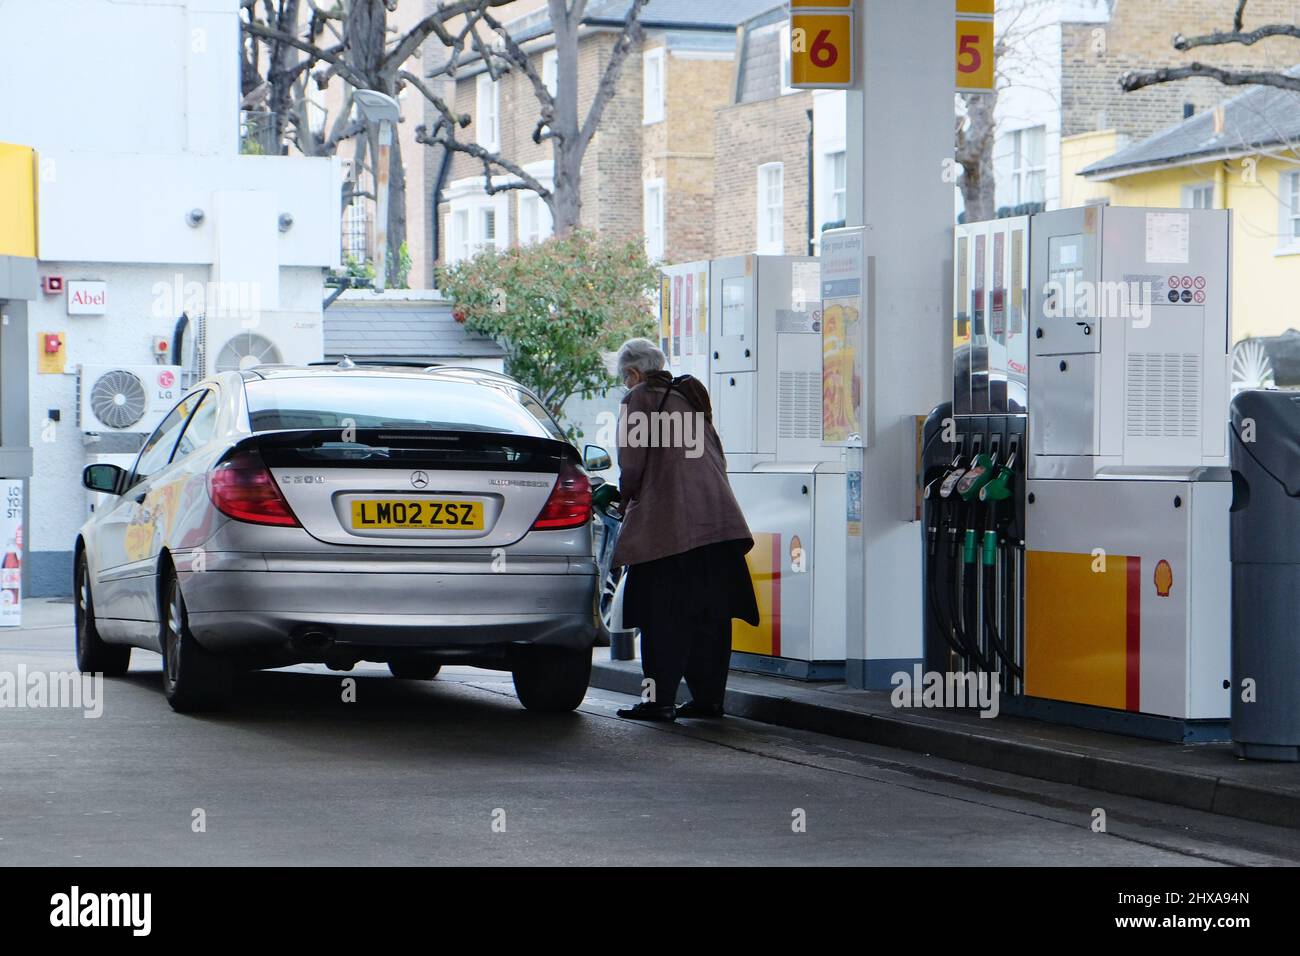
(247, 350)
(126, 399)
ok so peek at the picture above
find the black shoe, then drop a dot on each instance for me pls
(664, 713)
(693, 709)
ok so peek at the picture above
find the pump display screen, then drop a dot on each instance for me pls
(733, 306)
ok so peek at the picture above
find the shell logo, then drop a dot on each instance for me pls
(1164, 578)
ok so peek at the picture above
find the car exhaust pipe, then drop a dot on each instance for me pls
(312, 639)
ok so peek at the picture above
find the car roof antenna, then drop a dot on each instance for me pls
(347, 363)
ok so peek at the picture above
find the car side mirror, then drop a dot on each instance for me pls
(106, 478)
(595, 458)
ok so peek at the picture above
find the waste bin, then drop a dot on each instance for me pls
(1266, 575)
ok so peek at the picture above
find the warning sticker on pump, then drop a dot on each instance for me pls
(1167, 235)
(787, 320)
(1147, 285)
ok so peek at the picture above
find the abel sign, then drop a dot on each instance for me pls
(87, 298)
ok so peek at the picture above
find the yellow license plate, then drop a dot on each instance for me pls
(417, 514)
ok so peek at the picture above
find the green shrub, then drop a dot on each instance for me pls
(555, 306)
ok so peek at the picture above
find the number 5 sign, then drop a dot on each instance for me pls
(975, 56)
(821, 50)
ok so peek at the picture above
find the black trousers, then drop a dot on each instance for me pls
(698, 649)
(684, 604)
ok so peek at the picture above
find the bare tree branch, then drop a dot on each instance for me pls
(1219, 38)
(489, 159)
(434, 24)
(458, 47)
(343, 70)
(452, 121)
(515, 54)
(498, 53)
(1136, 81)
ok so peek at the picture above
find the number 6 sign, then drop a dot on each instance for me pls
(821, 51)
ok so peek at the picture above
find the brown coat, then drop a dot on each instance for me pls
(672, 502)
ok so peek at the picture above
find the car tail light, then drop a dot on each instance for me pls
(569, 505)
(243, 488)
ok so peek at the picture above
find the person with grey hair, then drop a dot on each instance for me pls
(684, 538)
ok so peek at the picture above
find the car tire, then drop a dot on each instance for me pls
(413, 670)
(194, 679)
(94, 656)
(551, 679)
(605, 598)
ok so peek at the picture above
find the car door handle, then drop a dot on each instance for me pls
(139, 499)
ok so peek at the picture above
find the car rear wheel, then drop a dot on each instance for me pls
(608, 591)
(93, 655)
(413, 670)
(194, 679)
(551, 679)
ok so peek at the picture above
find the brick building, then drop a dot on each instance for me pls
(649, 170)
(1059, 102)
(1137, 36)
(777, 148)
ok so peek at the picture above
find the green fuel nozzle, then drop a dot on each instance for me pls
(1000, 486)
(968, 547)
(990, 550)
(992, 492)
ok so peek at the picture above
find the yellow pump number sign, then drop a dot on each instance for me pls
(821, 51)
(975, 56)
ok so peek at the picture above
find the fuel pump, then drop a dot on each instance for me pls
(766, 355)
(942, 514)
(974, 493)
(1127, 482)
(999, 562)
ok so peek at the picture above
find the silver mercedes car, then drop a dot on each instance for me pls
(336, 514)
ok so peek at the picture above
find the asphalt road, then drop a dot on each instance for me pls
(454, 771)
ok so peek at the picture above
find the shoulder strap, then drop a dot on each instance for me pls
(669, 390)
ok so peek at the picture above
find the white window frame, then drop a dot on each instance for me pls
(459, 243)
(551, 71)
(544, 226)
(1288, 207)
(356, 230)
(1191, 192)
(467, 223)
(1021, 169)
(837, 192)
(765, 217)
(487, 112)
(653, 98)
(653, 221)
(316, 110)
(787, 58)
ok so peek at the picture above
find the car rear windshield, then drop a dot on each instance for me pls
(340, 401)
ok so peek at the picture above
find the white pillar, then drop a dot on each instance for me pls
(900, 132)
